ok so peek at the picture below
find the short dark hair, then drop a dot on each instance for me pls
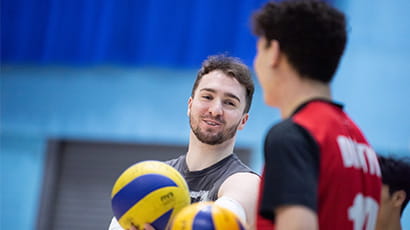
(312, 35)
(396, 175)
(230, 66)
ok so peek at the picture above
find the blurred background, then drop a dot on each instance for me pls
(89, 87)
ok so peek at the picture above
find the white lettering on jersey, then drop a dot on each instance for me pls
(358, 155)
(363, 212)
(197, 196)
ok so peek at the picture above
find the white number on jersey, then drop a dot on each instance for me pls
(363, 212)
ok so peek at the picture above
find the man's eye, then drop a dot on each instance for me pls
(207, 97)
(230, 103)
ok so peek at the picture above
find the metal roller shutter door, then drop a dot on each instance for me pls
(79, 176)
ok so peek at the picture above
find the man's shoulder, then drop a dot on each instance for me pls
(239, 166)
(284, 130)
(176, 161)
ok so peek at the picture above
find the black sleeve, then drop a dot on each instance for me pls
(291, 168)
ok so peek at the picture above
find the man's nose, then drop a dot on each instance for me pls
(216, 108)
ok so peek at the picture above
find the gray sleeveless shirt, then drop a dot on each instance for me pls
(204, 184)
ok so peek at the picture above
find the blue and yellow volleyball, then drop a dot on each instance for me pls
(149, 192)
(206, 216)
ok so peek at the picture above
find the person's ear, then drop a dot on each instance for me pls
(189, 106)
(243, 121)
(274, 52)
(398, 198)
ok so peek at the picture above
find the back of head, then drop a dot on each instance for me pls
(396, 175)
(232, 67)
(311, 34)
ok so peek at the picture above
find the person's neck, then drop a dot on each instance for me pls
(389, 220)
(394, 223)
(201, 155)
(300, 92)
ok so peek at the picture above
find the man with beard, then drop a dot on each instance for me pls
(219, 104)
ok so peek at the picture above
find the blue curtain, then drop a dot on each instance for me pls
(173, 33)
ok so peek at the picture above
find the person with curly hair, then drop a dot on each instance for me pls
(320, 172)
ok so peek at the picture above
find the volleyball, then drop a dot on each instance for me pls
(206, 216)
(149, 192)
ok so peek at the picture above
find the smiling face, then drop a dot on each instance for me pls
(216, 111)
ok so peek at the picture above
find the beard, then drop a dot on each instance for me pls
(206, 137)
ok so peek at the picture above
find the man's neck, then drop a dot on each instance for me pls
(201, 155)
(301, 92)
(394, 225)
(390, 222)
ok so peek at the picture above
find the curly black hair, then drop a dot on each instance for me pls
(396, 175)
(312, 34)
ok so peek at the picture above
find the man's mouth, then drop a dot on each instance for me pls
(212, 122)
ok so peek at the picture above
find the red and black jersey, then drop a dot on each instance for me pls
(319, 158)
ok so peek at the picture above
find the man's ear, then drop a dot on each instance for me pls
(243, 121)
(398, 198)
(189, 106)
(274, 52)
